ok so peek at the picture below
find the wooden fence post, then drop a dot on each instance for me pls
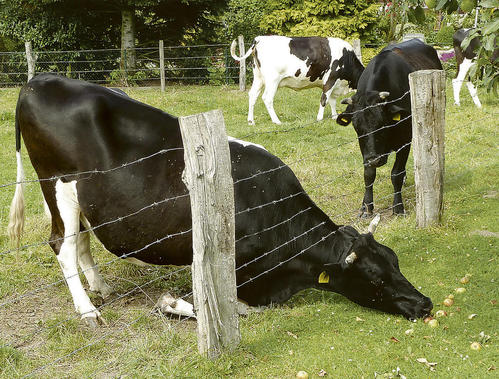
(31, 59)
(242, 65)
(162, 65)
(356, 48)
(428, 131)
(208, 177)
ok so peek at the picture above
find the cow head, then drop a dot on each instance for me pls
(373, 115)
(369, 275)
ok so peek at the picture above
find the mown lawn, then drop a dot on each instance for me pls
(40, 334)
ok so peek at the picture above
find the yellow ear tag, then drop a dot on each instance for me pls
(323, 277)
(396, 117)
(344, 120)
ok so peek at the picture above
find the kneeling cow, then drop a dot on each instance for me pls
(285, 243)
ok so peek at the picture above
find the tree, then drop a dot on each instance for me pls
(338, 18)
(335, 18)
(93, 24)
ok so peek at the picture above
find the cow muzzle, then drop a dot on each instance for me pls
(413, 309)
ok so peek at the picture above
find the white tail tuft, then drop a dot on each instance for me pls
(374, 223)
(16, 216)
(233, 51)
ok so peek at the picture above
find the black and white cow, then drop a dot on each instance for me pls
(71, 127)
(298, 63)
(381, 109)
(465, 58)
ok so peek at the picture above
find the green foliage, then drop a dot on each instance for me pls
(467, 5)
(243, 17)
(93, 24)
(444, 35)
(321, 18)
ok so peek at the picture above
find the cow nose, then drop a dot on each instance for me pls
(426, 306)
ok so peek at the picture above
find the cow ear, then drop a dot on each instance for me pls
(344, 119)
(395, 111)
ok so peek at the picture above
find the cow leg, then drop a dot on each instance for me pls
(460, 78)
(398, 177)
(253, 94)
(326, 98)
(368, 203)
(340, 88)
(268, 99)
(69, 211)
(474, 94)
(87, 264)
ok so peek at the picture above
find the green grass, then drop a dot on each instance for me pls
(314, 330)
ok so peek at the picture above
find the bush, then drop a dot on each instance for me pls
(444, 35)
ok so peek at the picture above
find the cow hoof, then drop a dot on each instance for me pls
(93, 319)
(399, 212)
(93, 322)
(251, 122)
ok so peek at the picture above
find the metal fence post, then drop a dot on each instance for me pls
(208, 177)
(162, 65)
(428, 131)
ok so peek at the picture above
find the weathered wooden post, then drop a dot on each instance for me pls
(31, 59)
(208, 177)
(162, 65)
(242, 65)
(356, 48)
(428, 131)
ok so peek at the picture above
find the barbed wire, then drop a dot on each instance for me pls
(99, 308)
(122, 256)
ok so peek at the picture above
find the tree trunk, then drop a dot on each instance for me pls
(128, 39)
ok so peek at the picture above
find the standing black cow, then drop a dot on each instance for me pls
(285, 243)
(381, 109)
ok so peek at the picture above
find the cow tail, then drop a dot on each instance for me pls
(233, 51)
(16, 215)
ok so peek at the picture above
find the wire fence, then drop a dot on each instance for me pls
(348, 214)
(200, 64)
(206, 64)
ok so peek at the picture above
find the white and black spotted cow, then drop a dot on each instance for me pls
(70, 127)
(298, 63)
(465, 59)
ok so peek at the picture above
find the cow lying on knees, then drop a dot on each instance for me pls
(380, 111)
(285, 243)
(298, 63)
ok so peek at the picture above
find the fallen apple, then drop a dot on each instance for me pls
(475, 346)
(460, 290)
(464, 280)
(433, 323)
(302, 375)
(427, 319)
(440, 313)
(451, 296)
(448, 302)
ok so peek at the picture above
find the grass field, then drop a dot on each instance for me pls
(40, 334)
